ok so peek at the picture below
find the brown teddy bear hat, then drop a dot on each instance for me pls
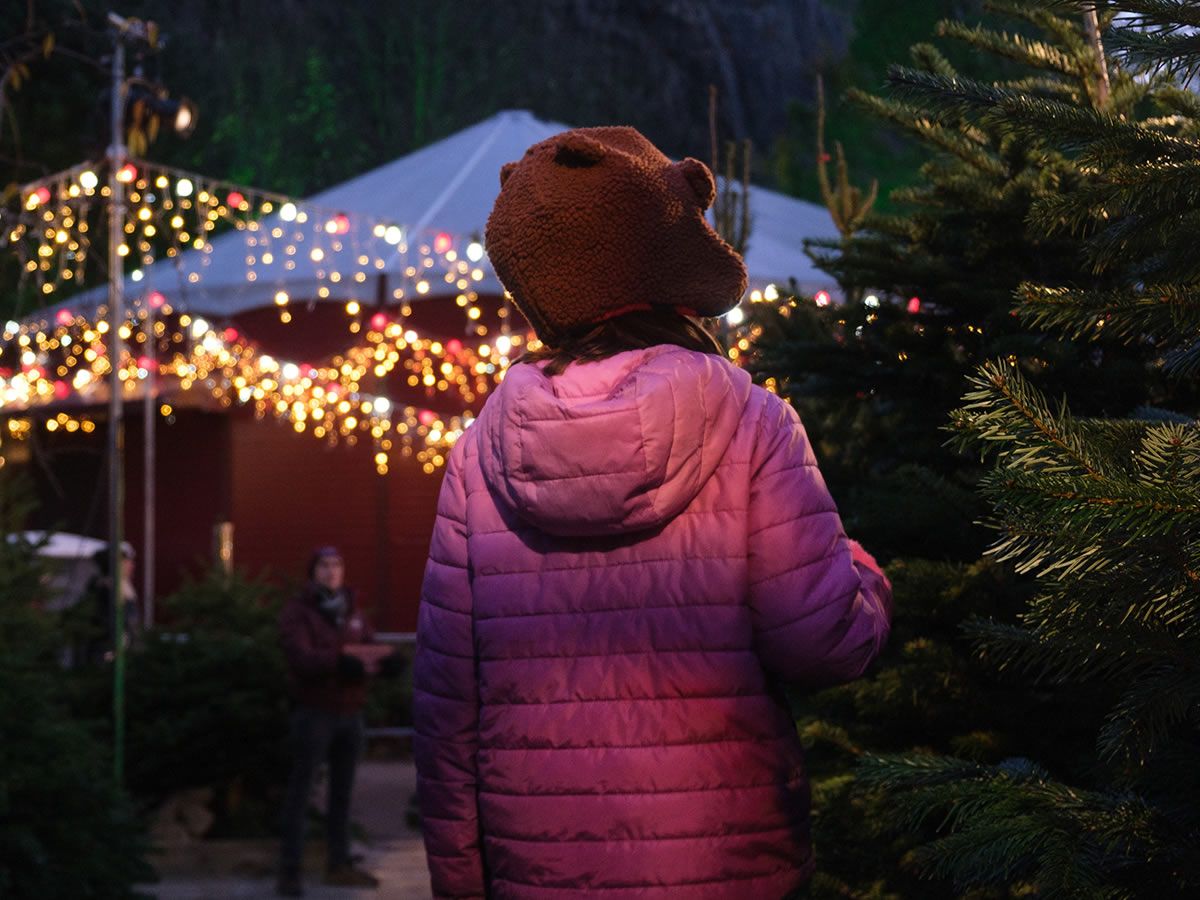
(596, 222)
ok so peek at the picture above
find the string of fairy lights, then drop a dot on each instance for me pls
(175, 215)
(168, 212)
(190, 354)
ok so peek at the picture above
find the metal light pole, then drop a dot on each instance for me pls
(116, 427)
(150, 421)
(123, 30)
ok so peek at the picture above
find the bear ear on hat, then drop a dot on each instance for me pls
(578, 151)
(700, 179)
(505, 171)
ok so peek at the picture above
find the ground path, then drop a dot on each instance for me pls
(224, 870)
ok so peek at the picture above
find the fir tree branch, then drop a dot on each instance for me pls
(1043, 86)
(1150, 711)
(1178, 100)
(1147, 612)
(912, 121)
(929, 58)
(1154, 249)
(1004, 408)
(1013, 821)
(1174, 53)
(1154, 311)
(1158, 191)
(1158, 35)
(1065, 31)
(1066, 126)
(1170, 452)
(1065, 526)
(1142, 13)
(1016, 47)
(1184, 360)
(1013, 649)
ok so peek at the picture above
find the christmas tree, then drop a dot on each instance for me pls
(875, 381)
(1104, 513)
(931, 286)
(66, 829)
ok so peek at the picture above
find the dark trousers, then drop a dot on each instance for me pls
(317, 737)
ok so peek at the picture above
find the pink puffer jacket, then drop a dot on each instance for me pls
(629, 559)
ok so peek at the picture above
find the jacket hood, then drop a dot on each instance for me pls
(610, 447)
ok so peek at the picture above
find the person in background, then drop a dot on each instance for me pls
(99, 597)
(323, 634)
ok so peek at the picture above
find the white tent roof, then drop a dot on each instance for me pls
(448, 186)
(61, 545)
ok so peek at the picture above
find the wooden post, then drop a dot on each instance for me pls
(1091, 24)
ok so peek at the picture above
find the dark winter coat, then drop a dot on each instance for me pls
(629, 560)
(312, 643)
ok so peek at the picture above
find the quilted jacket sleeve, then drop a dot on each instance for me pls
(821, 607)
(446, 705)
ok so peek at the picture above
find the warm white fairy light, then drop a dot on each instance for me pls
(169, 211)
(327, 401)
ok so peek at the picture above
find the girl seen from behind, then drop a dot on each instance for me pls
(634, 551)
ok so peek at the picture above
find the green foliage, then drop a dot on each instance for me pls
(1104, 513)
(225, 605)
(962, 241)
(929, 694)
(1065, 647)
(1106, 510)
(210, 712)
(880, 27)
(865, 380)
(874, 384)
(1013, 825)
(66, 830)
(20, 574)
(206, 702)
(1156, 35)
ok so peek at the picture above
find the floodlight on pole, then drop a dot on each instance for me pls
(180, 113)
(185, 116)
